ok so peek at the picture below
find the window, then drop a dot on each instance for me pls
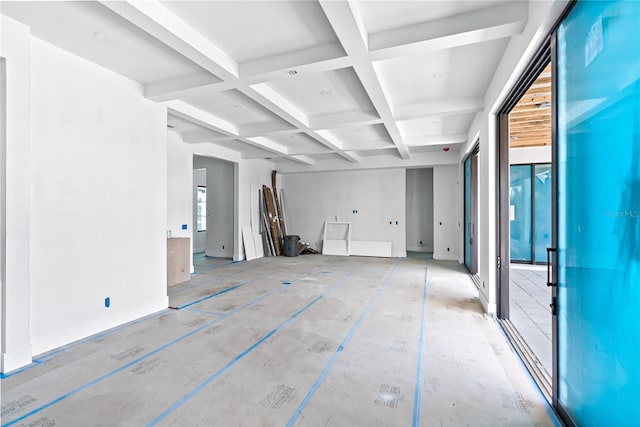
(201, 210)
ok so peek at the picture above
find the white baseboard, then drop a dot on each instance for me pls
(15, 359)
(58, 339)
(489, 307)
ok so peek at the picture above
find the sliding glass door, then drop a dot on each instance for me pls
(598, 195)
(471, 212)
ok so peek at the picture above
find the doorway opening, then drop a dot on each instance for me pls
(526, 211)
(213, 213)
(419, 198)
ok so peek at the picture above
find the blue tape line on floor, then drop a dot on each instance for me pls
(219, 372)
(224, 291)
(215, 279)
(197, 310)
(35, 362)
(48, 356)
(138, 360)
(417, 398)
(336, 355)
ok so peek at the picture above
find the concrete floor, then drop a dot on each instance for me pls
(312, 340)
(530, 312)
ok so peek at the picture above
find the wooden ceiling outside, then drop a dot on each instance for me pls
(530, 119)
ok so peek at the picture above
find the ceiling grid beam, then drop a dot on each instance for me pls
(344, 21)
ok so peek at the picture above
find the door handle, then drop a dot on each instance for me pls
(549, 282)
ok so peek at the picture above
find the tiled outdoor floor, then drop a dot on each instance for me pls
(529, 309)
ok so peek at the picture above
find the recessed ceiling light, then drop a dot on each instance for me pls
(292, 72)
(437, 75)
(99, 35)
(325, 92)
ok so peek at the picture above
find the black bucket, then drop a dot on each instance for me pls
(291, 245)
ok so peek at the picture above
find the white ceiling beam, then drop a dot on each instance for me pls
(154, 90)
(445, 107)
(504, 20)
(328, 140)
(267, 145)
(275, 127)
(347, 119)
(305, 160)
(161, 23)
(196, 137)
(316, 58)
(426, 140)
(264, 95)
(344, 21)
(195, 115)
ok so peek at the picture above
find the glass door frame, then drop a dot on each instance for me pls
(472, 209)
(545, 54)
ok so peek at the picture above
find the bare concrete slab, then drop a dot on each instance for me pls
(309, 340)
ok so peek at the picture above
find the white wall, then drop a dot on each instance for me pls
(420, 210)
(542, 15)
(220, 206)
(446, 212)
(199, 237)
(377, 195)
(98, 199)
(15, 175)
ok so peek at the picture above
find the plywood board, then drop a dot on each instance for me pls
(178, 260)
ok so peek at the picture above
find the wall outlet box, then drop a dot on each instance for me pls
(184, 226)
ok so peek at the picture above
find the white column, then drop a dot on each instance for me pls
(15, 50)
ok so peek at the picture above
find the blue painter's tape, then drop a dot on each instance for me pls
(33, 364)
(222, 370)
(135, 361)
(286, 283)
(216, 279)
(417, 398)
(91, 338)
(197, 310)
(338, 352)
(224, 291)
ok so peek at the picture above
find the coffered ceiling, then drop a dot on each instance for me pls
(308, 84)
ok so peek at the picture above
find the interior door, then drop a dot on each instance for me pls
(598, 228)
